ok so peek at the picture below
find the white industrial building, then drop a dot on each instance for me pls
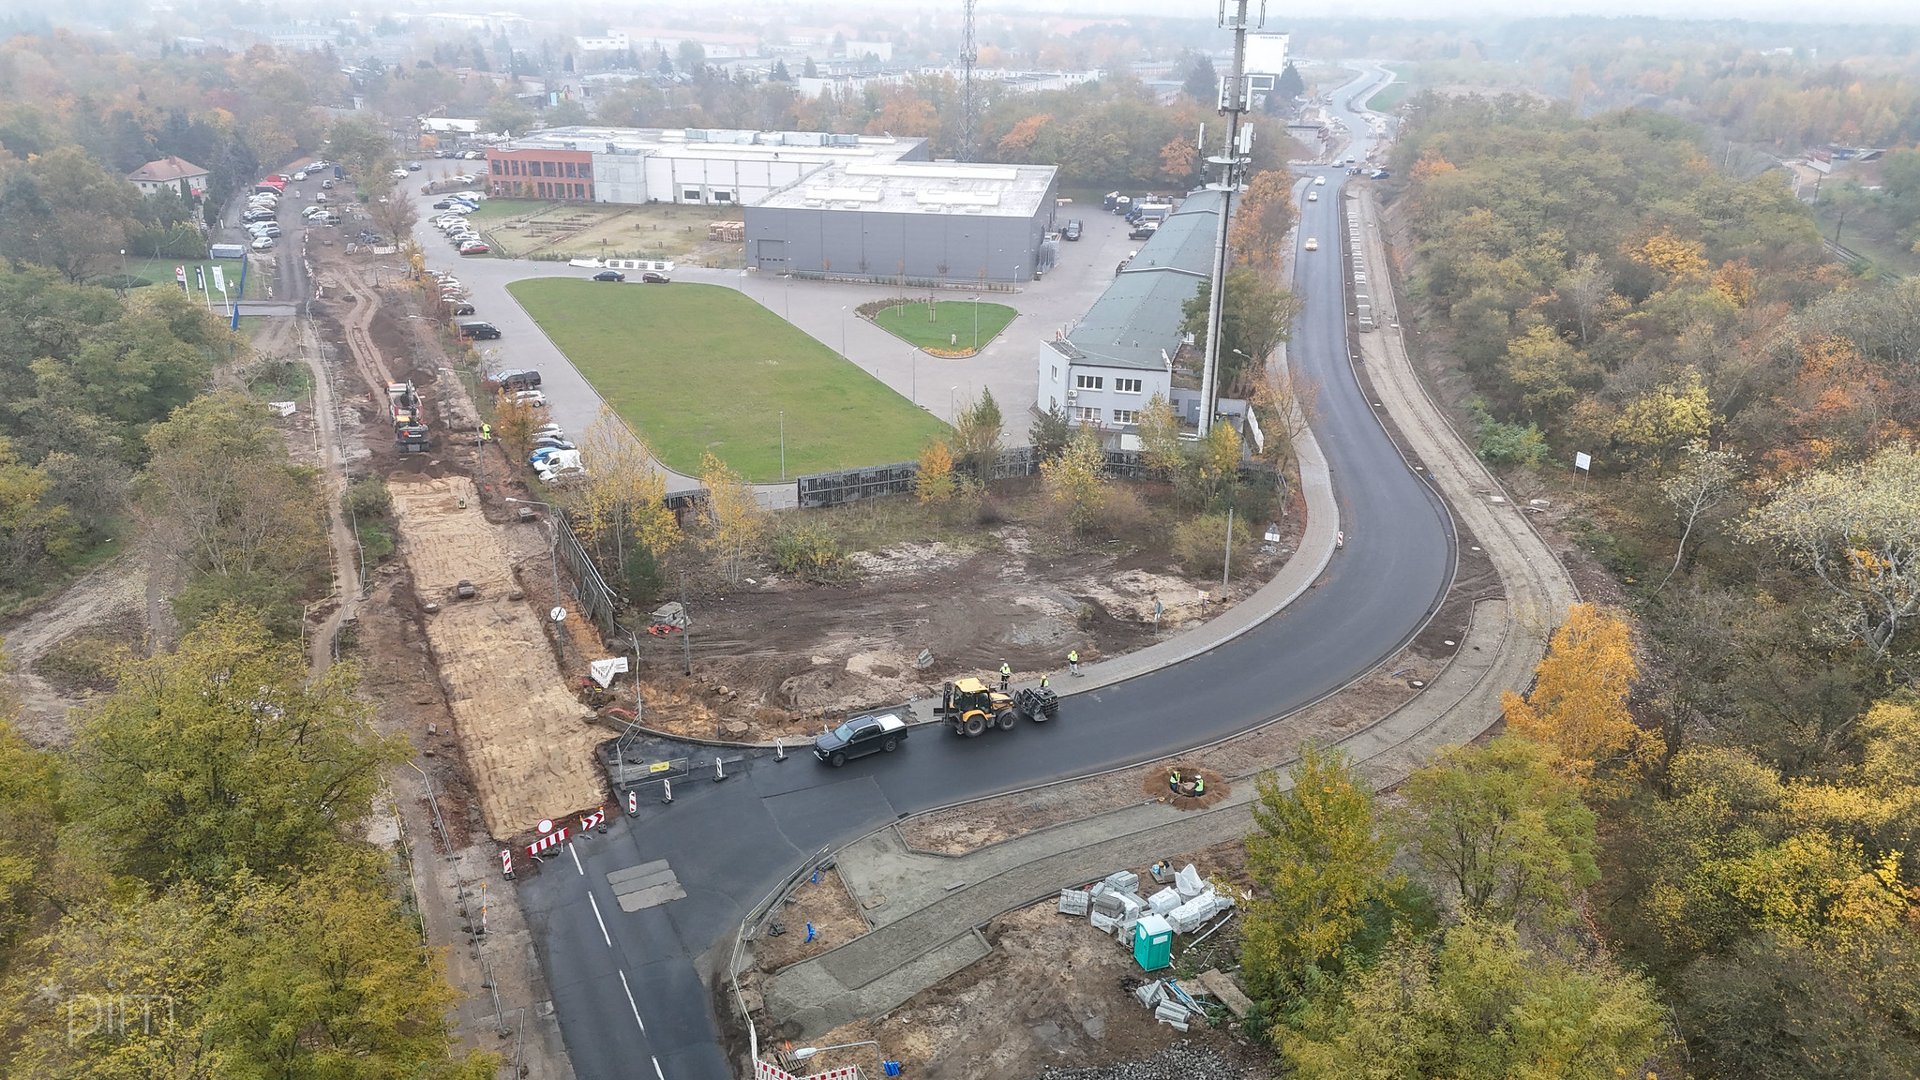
(678, 165)
(1106, 368)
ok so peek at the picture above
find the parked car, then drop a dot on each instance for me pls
(398, 174)
(1144, 232)
(413, 166)
(530, 397)
(474, 247)
(301, 175)
(263, 243)
(462, 309)
(552, 442)
(609, 275)
(1072, 231)
(479, 331)
(442, 205)
(654, 277)
(549, 429)
(876, 733)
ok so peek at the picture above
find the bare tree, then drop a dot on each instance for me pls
(1705, 480)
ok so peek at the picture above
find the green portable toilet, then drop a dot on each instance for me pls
(1152, 943)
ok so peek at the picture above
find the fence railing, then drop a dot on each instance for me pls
(881, 481)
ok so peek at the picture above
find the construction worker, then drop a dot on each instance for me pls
(1199, 786)
(486, 432)
(1043, 682)
(1073, 661)
(1173, 779)
(1006, 676)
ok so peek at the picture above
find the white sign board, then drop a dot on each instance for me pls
(1583, 461)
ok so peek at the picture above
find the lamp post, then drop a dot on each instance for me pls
(805, 1052)
(913, 365)
(951, 414)
(783, 446)
(976, 322)
(843, 331)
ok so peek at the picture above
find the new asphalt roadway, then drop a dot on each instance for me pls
(628, 986)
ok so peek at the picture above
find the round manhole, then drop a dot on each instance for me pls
(1449, 642)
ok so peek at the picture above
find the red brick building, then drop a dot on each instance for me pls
(538, 173)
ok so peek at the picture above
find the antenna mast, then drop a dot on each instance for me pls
(1232, 161)
(969, 54)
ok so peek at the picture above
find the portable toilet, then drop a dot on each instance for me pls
(1152, 943)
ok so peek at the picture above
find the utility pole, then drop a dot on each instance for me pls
(969, 55)
(1232, 161)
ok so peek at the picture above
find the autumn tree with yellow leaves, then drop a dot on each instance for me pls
(1578, 704)
(934, 483)
(739, 524)
(621, 504)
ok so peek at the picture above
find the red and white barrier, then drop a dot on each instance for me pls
(549, 841)
(506, 862)
(593, 820)
(633, 802)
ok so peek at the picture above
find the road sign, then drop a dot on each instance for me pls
(593, 820)
(558, 614)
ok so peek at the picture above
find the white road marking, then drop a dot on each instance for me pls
(601, 921)
(632, 1005)
(656, 1069)
(575, 852)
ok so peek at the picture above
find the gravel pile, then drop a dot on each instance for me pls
(1173, 1063)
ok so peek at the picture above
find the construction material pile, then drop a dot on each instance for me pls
(1114, 905)
(1182, 1062)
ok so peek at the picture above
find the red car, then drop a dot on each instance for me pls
(474, 247)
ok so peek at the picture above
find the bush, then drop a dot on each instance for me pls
(1201, 544)
(1502, 443)
(811, 554)
(366, 499)
(1121, 513)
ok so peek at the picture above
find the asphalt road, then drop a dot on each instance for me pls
(629, 987)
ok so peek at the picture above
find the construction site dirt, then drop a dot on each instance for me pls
(772, 657)
(1054, 991)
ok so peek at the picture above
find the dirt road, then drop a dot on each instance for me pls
(112, 596)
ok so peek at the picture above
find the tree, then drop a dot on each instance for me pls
(506, 114)
(1318, 862)
(1201, 82)
(33, 527)
(64, 211)
(1076, 481)
(1480, 1006)
(1258, 316)
(1049, 433)
(325, 976)
(1578, 704)
(623, 498)
(739, 522)
(933, 484)
(1586, 291)
(1289, 85)
(222, 757)
(780, 73)
(1261, 222)
(29, 790)
(1217, 465)
(1158, 428)
(221, 501)
(1548, 372)
(514, 423)
(691, 57)
(1288, 405)
(567, 112)
(1704, 481)
(1856, 528)
(1509, 836)
(394, 214)
(1652, 424)
(362, 147)
(976, 436)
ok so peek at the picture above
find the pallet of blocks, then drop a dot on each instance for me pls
(732, 232)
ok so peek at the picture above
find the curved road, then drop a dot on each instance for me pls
(628, 986)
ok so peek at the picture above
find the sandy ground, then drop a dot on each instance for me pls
(827, 905)
(529, 753)
(112, 600)
(1054, 991)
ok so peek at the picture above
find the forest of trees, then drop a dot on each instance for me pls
(1692, 849)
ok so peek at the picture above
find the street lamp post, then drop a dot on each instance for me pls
(951, 415)
(913, 384)
(783, 446)
(843, 331)
(976, 322)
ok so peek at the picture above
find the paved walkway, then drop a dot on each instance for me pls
(930, 906)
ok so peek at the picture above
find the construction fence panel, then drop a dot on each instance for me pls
(595, 596)
(860, 485)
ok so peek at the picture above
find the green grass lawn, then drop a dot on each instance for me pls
(493, 211)
(969, 324)
(700, 367)
(1394, 93)
(160, 272)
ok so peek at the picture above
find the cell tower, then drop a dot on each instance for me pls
(969, 53)
(1232, 159)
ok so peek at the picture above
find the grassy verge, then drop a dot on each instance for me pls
(1872, 236)
(160, 272)
(1392, 95)
(699, 367)
(962, 326)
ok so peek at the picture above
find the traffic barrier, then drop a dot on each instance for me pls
(548, 842)
(506, 863)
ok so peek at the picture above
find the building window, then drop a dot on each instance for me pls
(1053, 373)
(722, 196)
(497, 166)
(1088, 382)
(1125, 416)
(1126, 386)
(691, 194)
(568, 167)
(1086, 414)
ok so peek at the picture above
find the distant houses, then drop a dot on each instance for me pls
(168, 174)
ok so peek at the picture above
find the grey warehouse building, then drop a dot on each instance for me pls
(943, 223)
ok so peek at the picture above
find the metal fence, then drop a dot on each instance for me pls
(860, 485)
(595, 596)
